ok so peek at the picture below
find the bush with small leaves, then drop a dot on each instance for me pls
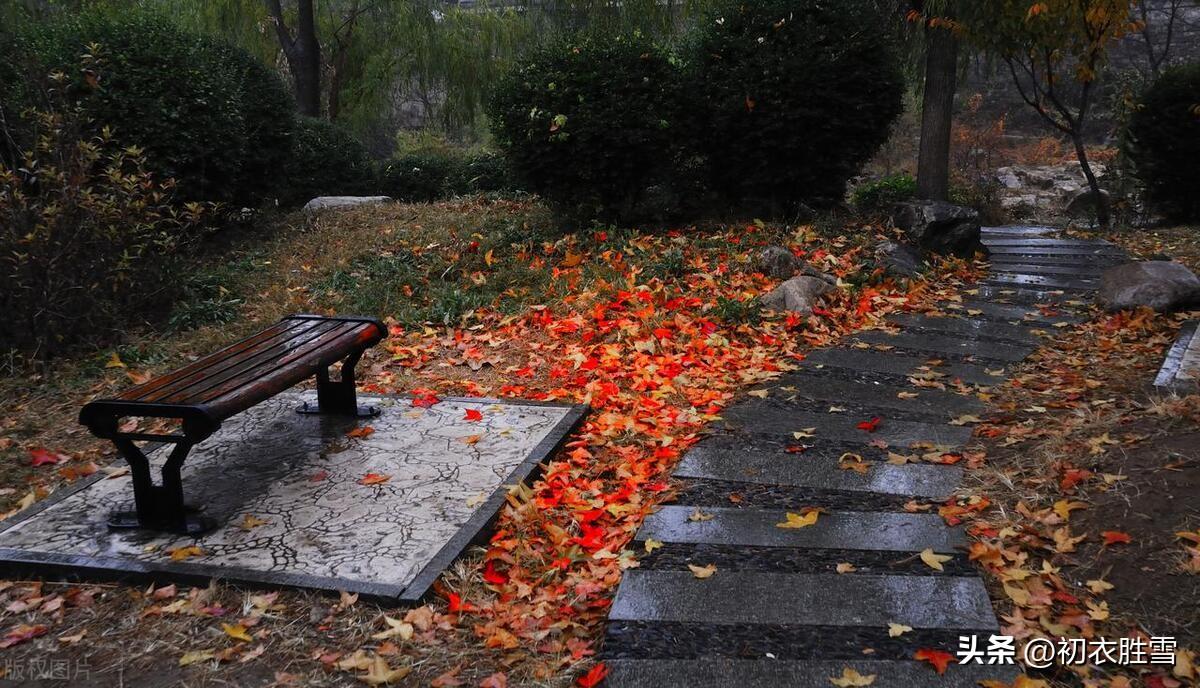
(590, 122)
(878, 196)
(1163, 143)
(327, 161)
(796, 96)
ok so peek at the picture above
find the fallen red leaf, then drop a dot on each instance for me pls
(492, 576)
(374, 479)
(44, 457)
(869, 425)
(1113, 537)
(594, 676)
(364, 431)
(473, 415)
(940, 660)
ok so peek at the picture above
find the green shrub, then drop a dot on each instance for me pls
(1163, 143)
(880, 195)
(88, 236)
(796, 95)
(590, 122)
(269, 116)
(483, 172)
(418, 177)
(326, 161)
(169, 91)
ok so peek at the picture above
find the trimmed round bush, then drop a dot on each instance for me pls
(1163, 143)
(269, 117)
(327, 161)
(796, 96)
(878, 196)
(589, 122)
(418, 177)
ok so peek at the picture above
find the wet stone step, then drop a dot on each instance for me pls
(1057, 251)
(943, 344)
(971, 327)
(1046, 241)
(1048, 270)
(746, 465)
(822, 391)
(1057, 298)
(749, 673)
(678, 556)
(1101, 262)
(674, 640)
(1043, 281)
(1017, 230)
(903, 365)
(838, 530)
(777, 598)
(1012, 313)
(782, 421)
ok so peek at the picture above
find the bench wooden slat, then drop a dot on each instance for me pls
(192, 389)
(250, 371)
(140, 392)
(299, 367)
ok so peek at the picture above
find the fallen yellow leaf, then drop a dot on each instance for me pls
(896, 630)
(651, 545)
(237, 632)
(799, 520)
(852, 679)
(934, 561)
(703, 571)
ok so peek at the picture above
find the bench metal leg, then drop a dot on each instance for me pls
(339, 398)
(158, 507)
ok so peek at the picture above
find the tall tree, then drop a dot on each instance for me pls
(937, 104)
(302, 51)
(1054, 51)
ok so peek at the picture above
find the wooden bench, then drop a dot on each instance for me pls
(202, 395)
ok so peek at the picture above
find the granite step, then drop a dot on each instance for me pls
(1101, 262)
(780, 420)
(1019, 295)
(730, 597)
(945, 344)
(839, 530)
(971, 327)
(1043, 281)
(1017, 230)
(903, 365)
(1086, 272)
(1040, 242)
(678, 556)
(1012, 313)
(767, 673)
(1057, 251)
(713, 460)
(817, 391)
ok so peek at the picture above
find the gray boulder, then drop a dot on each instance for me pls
(778, 262)
(1158, 284)
(940, 227)
(327, 202)
(898, 260)
(798, 294)
(1083, 203)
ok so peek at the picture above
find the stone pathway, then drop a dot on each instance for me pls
(776, 612)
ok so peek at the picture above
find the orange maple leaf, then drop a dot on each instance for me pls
(940, 660)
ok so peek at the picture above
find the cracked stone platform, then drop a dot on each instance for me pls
(286, 491)
(776, 612)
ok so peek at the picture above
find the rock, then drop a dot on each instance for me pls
(326, 202)
(778, 262)
(897, 259)
(1083, 203)
(940, 227)
(1161, 285)
(798, 294)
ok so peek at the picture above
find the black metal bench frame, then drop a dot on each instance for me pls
(323, 342)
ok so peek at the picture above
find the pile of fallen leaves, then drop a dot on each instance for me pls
(1062, 440)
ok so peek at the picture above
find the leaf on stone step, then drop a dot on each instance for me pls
(760, 393)
(964, 420)
(651, 544)
(799, 520)
(908, 395)
(804, 434)
(846, 567)
(362, 432)
(703, 571)
(934, 561)
(940, 660)
(374, 479)
(896, 630)
(181, 553)
(250, 522)
(852, 679)
(698, 516)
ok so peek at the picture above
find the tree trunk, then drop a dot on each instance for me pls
(937, 112)
(306, 67)
(1101, 204)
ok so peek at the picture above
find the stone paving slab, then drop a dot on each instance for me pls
(730, 597)
(1098, 262)
(1009, 312)
(1083, 271)
(896, 363)
(301, 477)
(920, 341)
(780, 420)
(1044, 281)
(1059, 251)
(1044, 241)
(709, 460)
(1019, 295)
(1181, 367)
(768, 673)
(970, 327)
(874, 531)
(823, 391)
(1017, 230)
